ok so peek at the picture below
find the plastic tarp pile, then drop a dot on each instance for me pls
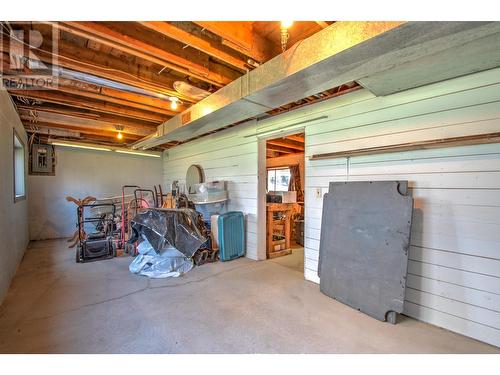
(167, 240)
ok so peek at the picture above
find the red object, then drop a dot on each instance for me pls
(123, 211)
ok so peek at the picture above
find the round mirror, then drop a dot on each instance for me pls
(194, 176)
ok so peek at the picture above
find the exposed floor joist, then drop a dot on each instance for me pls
(76, 101)
(107, 36)
(123, 73)
(287, 143)
(240, 37)
(190, 40)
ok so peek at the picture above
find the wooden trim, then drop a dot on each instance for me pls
(411, 146)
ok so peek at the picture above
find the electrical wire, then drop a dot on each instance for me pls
(85, 63)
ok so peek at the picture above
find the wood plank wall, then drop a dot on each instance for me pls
(230, 155)
(453, 273)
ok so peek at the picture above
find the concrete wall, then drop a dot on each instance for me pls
(13, 216)
(453, 271)
(80, 173)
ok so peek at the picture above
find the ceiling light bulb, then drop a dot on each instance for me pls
(119, 135)
(174, 102)
(286, 24)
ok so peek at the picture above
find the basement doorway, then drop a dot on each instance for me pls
(284, 200)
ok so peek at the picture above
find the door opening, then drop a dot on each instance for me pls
(284, 200)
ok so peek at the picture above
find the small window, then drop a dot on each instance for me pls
(19, 183)
(278, 179)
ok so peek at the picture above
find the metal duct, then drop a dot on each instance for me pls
(340, 53)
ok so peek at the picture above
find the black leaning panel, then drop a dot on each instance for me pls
(365, 237)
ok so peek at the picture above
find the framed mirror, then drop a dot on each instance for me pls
(194, 176)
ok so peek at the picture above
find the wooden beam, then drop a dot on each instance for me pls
(289, 144)
(241, 37)
(107, 36)
(322, 24)
(194, 41)
(411, 146)
(156, 104)
(126, 98)
(285, 160)
(117, 120)
(56, 97)
(56, 118)
(83, 130)
(116, 100)
(297, 138)
(99, 92)
(281, 149)
(88, 61)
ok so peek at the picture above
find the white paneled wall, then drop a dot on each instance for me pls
(454, 259)
(230, 155)
(454, 267)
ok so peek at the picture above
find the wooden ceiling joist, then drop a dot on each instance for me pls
(52, 96)
(131, 99)
(112, 95)
(110, 74)
(107, 36)
(288, 144)
(57, 118)
(297, 138)
(156, 104)
(117, 120)
(104, 133)
(280, 149)
(103, 65)
(114, 99)
(196, 42)
(240, 37)
(322, 24)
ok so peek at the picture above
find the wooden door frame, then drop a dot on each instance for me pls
(261, 185)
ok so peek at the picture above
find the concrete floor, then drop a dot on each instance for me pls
(57, 306)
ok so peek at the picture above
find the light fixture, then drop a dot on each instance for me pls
(138, 153)
(99, 148)
(119, 135)
(285, 25)
(189, 90)
(78, 145)
(174, 102)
